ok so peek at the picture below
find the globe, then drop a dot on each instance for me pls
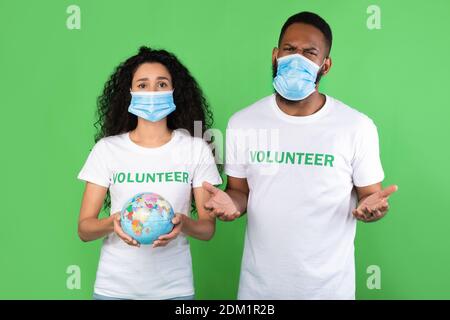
(146, 216)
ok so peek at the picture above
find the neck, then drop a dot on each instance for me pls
(151, 134)
(302, 108)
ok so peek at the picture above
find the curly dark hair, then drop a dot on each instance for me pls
(112, 105)
(113, 117)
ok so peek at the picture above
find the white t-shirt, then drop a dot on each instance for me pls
(299, 241)
(171, 170)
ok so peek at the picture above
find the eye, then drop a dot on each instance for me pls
(162, 84)
(141, 85)
(312, 53)
(289, 49)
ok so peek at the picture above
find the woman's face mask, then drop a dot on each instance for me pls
(152, 105)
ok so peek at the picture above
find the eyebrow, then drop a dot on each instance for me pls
(311, 47)
(158, 78)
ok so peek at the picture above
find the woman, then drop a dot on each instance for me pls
(146, 125)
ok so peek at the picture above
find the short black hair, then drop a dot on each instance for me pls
(313, 20)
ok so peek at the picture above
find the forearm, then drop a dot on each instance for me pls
(201, 229)
(239, 199)
(360, 200)
(94, 228)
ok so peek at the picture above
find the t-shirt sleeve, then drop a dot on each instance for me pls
(367, 168)
(95, 168)
(205, 168)
(235, 164)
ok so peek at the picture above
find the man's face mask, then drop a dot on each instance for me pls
(152, 105)
(296, 77)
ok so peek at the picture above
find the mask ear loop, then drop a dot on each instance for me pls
(321, 68)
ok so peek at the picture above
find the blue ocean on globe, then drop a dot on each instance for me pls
(146, 216)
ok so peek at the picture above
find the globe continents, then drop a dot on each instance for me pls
(146, 216)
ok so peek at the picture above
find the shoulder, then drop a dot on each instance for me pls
(192, 143)
(350, 116)
(252, 112)
(107, 143)
(185, 137)
(195, 149)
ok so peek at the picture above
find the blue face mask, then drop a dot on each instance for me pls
(296, 77)
(151, 105)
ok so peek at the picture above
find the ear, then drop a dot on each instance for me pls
(274, 55)
(327, 66)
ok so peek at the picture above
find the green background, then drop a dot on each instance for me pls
(51, 76)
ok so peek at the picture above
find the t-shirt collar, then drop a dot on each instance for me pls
(141, 149)
(300, 119)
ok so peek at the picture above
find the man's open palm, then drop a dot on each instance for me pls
(375, 206)
(220, 204)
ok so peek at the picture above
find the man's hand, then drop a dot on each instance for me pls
(220, 204)
(374, 207)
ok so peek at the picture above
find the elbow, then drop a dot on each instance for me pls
(209, 235)
(81, 235)
(204, 231)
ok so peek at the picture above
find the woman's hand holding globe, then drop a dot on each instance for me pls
(122, 235)
(162, 241)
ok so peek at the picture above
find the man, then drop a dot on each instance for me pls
(304, 194)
